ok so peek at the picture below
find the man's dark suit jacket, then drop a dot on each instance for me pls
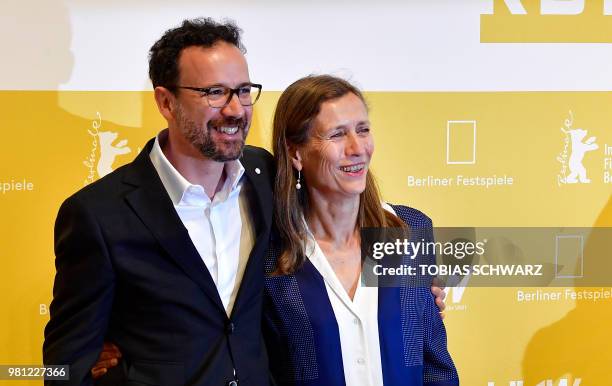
(128, 272)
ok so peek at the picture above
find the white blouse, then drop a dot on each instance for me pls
(357, 321)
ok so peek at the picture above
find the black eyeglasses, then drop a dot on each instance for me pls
(220, 96)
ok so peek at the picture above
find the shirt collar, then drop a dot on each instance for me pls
(177, 186)
(320, 262)
(318, 259)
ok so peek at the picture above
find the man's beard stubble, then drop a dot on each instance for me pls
(200, 137)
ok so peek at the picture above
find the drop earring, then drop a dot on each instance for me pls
(298, 186)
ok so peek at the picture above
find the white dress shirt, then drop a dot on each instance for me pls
(221, 229)
(357, 321)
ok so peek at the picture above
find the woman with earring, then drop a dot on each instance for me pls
(322, 327)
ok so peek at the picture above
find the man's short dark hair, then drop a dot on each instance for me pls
(202, 32)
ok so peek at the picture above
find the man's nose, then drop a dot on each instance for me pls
(233, 108)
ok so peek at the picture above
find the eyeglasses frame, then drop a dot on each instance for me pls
(232, 91)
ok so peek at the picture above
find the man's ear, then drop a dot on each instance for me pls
(165, 100)
(296, 158)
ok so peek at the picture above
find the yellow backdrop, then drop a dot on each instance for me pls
(48, 153)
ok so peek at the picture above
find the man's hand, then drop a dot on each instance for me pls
(109, 357)
(437, 289)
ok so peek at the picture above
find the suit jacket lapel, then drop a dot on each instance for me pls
(154, 207)
(259, 172)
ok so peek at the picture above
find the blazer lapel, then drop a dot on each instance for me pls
(154, 207)
(259, 173)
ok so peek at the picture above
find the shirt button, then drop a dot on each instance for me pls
(257, 170)
(355, 321)
(361, 361)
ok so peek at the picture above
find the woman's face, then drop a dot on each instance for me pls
(336, 157)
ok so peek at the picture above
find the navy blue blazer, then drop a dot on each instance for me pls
(127, 272)
(302, 335)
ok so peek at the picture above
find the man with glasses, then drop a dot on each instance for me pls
(164, 256)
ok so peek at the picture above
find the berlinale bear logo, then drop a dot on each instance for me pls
(109, 151)
(103, 151)
(572, 168)
(576, 168)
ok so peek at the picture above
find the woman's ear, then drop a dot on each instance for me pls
(296, 158)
